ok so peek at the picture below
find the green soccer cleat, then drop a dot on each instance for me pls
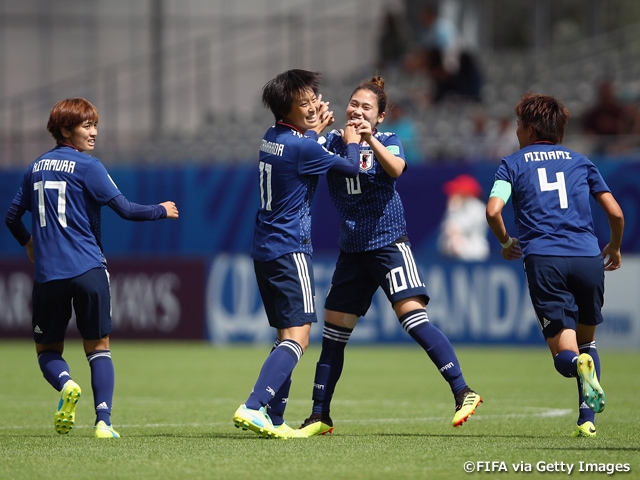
(592, 392)
(255, 420)
(285, 431)
(587, 429)
(466, 405)
(316, 424)
(102, 430)
(65, 417)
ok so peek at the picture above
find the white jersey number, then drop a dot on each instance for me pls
(397, 280)
(559, 185)
(61, 187)
(265, 186)
(353, 185)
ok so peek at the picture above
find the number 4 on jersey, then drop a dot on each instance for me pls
(559, 185)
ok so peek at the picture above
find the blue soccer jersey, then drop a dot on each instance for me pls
(289, 167)
(371, 211)
(550, 190)
(64, 190)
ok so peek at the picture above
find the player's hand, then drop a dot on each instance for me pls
(612, 258)
(172, 210)
(513, 252)
(363, 128)
(29, 247)
(350, 135)
(324, 115)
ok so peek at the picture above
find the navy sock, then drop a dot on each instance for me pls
(102, 383)
(565, 363)
(54, 368)
(437, 346)
(275, 371)
(277, 405)
(329, 366)
(585, 413)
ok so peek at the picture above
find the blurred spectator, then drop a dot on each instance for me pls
(463, 231)
(480, 141)
(607, 119)
(400, 122)
(393, 43)
(469, 77)
(505, 141)
(439, 33)
(491, 144)
(464, 84)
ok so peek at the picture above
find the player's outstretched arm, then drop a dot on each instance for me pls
(172, 210)
(139, 213)
(611, 252)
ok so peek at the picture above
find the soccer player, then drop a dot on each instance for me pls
(289, 166)
(550, 186)
(64, 189)
(375, 252)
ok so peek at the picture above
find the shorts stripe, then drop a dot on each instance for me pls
(410, 265)
(305, 281)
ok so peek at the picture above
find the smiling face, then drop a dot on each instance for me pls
(304, 111)
(82, 137)
(364, 106)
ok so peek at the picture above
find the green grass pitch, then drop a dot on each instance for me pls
(392, 413)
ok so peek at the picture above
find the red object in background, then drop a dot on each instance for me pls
(463, 185)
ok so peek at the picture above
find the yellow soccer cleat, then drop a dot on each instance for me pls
(587, 429)
(255, 420)
(102, 430)
(285, 431)
(592, 392)
(65, 417)
(317, 424)
(466, 405)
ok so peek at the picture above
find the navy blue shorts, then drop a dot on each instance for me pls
(358, 275)
(565, 291)
(288, 290)
(90, 296)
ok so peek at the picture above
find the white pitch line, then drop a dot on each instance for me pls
(546, 413)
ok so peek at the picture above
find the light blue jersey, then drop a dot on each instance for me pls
(551, 186)
(371, 211)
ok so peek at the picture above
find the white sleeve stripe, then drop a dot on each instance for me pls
(305, 281)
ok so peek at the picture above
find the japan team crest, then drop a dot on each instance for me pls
(366, 160)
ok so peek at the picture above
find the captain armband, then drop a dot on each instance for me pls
(502, 190)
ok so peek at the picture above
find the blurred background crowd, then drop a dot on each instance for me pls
(179, 81)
